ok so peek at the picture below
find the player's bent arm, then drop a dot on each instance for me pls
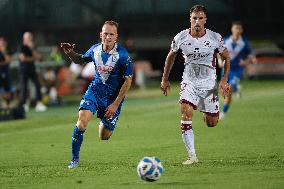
(75, 57)
(168, 65)
(123, 90)
(24, 58)
(249, 60)
(224, 86)
(226, 59)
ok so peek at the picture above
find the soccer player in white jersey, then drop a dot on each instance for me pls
(240, 55)
(198, 87)
(106, 93)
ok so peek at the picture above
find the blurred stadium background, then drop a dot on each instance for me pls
(147, 25)
(150, 24)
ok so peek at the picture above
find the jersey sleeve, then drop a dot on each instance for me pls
(221, 44)
(175, 43)
(247, 49)
(127, 66)
(88, 56)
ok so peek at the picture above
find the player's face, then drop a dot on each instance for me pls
(198, 20)
(237, 30)
(108, 35)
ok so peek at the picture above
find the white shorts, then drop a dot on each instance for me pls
(206, 101)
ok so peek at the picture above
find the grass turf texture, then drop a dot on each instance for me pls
(244, 151)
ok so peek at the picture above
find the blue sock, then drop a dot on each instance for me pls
(77, 139)
(225, 108)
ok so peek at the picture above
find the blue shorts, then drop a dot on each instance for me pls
(92, 102)
(234, 79)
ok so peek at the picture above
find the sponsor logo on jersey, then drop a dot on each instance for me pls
(104, 69)
(198, 55)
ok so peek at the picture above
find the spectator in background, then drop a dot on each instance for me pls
(5, 83)
(56, 56)
(27, 57)
(240, 55)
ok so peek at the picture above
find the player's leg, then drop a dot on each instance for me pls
(209, 105)
(104, 133)
(233, 82)
(186, 109)
(78, 134)
(88, 107)
(40, 107)
(24, 89)
(107, 126)
(188, 102)
(211, 119)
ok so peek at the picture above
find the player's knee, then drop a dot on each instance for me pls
(211, 123)
(82, 124)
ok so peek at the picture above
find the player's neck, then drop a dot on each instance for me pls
(235, 37)
(107, 48)
(197, 34)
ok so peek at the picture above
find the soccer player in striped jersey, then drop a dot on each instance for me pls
(106, 93)
(198, 87)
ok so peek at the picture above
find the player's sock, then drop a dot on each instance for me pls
(77, 139)
(188, 137)
(225, 108)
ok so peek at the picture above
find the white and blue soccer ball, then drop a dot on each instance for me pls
(150, 169)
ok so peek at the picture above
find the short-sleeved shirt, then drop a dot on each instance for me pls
(200, 57)
(27, 51)
(111, 69)
(238, 50)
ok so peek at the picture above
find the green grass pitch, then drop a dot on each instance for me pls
(246, 150)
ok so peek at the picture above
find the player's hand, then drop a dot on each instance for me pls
(67, 47)
(165, 87)
(110, 111)
(225, 88)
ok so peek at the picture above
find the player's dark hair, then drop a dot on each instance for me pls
(237, 22)
(112, 23)
(197, 8)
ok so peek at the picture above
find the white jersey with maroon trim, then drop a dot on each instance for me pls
(200, 57)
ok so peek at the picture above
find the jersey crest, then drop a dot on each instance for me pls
(105, 68)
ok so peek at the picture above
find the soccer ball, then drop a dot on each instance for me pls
(150, 169)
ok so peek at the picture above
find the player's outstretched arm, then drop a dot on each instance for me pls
(224, 86)
(165, 84)
(111, 109)
(69, 50)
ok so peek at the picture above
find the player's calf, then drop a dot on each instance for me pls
(104, 134)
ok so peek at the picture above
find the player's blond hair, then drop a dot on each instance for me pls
(112, 23)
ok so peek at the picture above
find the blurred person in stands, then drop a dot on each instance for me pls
(240, 55)
(199, 88)
(27, 57)
(106, 94)
(56, 56)
(5, 82)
